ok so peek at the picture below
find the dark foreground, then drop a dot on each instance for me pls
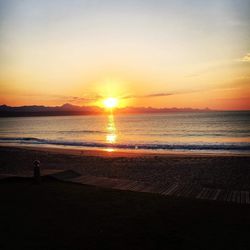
(57, 215)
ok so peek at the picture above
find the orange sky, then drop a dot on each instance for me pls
(146, 53)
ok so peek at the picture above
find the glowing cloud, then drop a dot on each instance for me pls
(246, 58)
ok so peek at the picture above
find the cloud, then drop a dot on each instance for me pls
(91, 98)
(239, 82)
(64, 98)
(246, 58)
(76, 99)
(147, 96)
(224, 64)
(158, 94)
(72, 99)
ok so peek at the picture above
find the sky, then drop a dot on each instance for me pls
(159, 53)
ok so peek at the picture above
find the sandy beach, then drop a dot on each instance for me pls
(65, 215)
(224, 171)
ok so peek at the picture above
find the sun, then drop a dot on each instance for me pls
(110, 102)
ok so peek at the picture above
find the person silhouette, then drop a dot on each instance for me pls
(36, 164)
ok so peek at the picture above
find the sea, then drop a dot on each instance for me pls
(211, 132)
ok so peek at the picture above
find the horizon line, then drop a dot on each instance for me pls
(118, 108)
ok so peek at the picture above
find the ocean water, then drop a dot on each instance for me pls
(199, 132)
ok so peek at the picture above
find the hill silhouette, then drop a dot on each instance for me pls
(69, 109)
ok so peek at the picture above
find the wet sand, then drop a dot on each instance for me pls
(225, 171)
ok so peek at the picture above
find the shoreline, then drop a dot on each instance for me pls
(111, 152)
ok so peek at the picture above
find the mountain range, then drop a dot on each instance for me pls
(69, 109)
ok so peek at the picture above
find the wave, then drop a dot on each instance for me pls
(242, 146)
(82, 131)
(201, 134)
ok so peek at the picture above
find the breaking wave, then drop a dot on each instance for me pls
(236, 146)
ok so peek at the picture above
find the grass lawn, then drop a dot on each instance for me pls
(58, 215)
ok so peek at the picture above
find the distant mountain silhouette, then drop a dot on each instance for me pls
(159, 110)
(34, 110)
(69, 109)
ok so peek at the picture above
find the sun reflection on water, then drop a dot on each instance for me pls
(111, 136)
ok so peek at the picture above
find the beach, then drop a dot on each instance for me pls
(124, 125)
(225, 171)
(66, 215)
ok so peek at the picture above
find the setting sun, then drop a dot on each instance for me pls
(138, 96)
(110, 102)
